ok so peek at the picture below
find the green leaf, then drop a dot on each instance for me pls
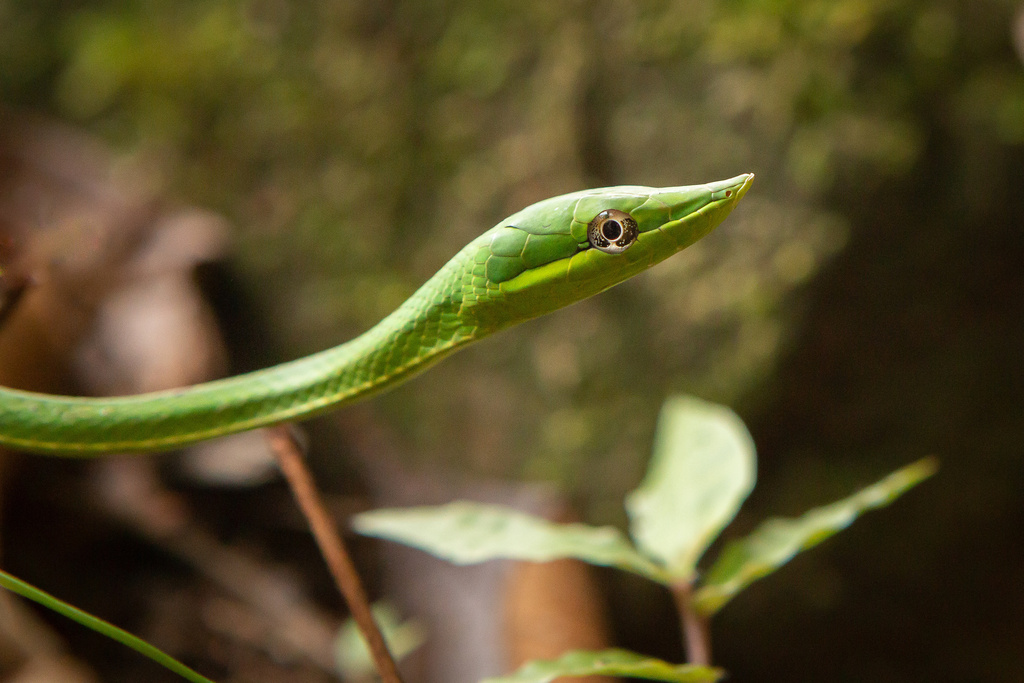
(467, 533)
(353, 656)
(26, 590)
(702, 470)
(612, 662)
(777, 540)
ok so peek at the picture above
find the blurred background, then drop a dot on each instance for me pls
(189, 190)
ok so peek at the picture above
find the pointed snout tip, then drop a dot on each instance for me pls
(747, 179)
(733, 188)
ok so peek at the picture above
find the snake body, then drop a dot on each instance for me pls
(551, 254)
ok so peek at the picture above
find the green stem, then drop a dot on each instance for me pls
(16, 585)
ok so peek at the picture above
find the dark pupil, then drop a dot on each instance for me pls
(611, 230)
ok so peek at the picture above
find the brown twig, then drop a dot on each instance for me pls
(293, 466)
(696, 634)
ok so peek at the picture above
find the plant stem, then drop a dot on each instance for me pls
(696, 634)
(293, 466)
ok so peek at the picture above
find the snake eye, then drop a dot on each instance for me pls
(612, 231)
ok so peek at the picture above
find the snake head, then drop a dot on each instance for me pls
(564, 249)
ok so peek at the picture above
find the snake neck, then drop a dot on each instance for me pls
(418, 334)
(452, 309)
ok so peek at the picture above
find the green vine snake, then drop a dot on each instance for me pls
(549, 255)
